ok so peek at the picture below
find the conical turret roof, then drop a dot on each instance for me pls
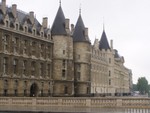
(79, 31)
(103, 44)
(58, 27)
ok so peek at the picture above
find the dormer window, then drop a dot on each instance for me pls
(42, 34)
(17, 26)
(7, 23)
(34, 32)
(25, 29)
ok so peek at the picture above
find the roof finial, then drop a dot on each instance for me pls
(60, 2)
(80, 9)
(103, 24)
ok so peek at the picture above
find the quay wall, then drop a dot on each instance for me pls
(76, 102)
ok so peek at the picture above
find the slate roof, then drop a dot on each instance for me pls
(103, 44)
(79, 31)
(22, 17)
(58, 27)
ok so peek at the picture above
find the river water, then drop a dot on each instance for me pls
(28, 109)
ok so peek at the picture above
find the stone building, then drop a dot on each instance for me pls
(39, 61)
(109, 76)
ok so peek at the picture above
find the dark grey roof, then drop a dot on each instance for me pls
(58, 27)
(103, 44)
(79, 31)
(22, 18)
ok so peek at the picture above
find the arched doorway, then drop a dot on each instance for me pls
(34, 90)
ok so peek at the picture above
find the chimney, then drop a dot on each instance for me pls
(3, 6)
(86, 32)
(31, 15)
(111, 44)
(14, 10)
(45, 22)
(67, 23)
(72, 28)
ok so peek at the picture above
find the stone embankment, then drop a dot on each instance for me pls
(93, 102)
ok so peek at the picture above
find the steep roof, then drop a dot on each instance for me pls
(103, 44)
(79, 31)
(58, 27)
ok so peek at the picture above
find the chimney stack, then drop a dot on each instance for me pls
(45, 22)
(111, 44)
(3, 6)
(31, 15)
(14, 10)
(67, 23)
(72, 28)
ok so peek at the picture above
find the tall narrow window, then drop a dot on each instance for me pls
(24, 67)
(15, 43)
(64, 52)
(7, 24)
(17, 26)
(48, 51)
(5, 87)
(34, 48)
(6, 42)
(109, 81)
(65, 90)
(64, 64)
(48, 70)
(15, 64)
(41, 69)
(42, 50)
(5, 68)
(63, 73)
(33, 68)
(109, 73)
(25, 47)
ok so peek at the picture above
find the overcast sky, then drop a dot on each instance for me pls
(127, 22)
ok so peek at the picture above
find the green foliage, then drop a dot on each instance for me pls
(135, 87)
(142, 85)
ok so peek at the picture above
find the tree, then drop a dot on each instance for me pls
(142, 85)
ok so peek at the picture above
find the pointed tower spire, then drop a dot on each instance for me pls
(103, 43)
(58, 27)
(80, 10)
(59, 2)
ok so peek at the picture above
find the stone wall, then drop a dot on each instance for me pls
(77, 102)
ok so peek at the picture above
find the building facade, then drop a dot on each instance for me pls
(39, 61)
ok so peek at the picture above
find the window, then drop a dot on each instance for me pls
(34, 48)
(49, 51)
(24, 67)
(42, 50)
(25, 29)
(15, 43)
(17, 26)
(109, 73)
(78, 57)
(64, 52)
(42, 34)
(5, 84)
(65, 90)
(15, 92)
(64, 64)
(5, 68)
(109, 81)
(15, 64)
(25, 47)
(34, 32)
(6, 42)
(78, 75)
(7, 24)
(33, 68)
(41, 69)
(63, 73)
(78, 67)
(48, 70)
